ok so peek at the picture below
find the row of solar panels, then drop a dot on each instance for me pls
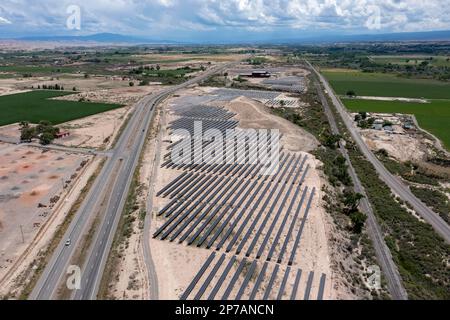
(204, 208)
(252, 280)
(219, 156)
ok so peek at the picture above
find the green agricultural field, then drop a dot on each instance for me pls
(36, 69)
(438, 61)
(35, 106)
(385, 85)
(7, 75)
(433, 117)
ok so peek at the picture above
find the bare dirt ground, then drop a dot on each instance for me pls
(252, 114)
(97, 88)
(98, 131)
(122, 95)
(37, 189)
(400, 146)
(403, 145)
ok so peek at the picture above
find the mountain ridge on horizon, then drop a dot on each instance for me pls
(443, 35)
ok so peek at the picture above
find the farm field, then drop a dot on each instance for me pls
(385, 85)
(438, 61)
(433, 117)
(36, 69)
(35, 106)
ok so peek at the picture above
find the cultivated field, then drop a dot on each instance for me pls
(385, 85)
(35, 106)
(412, 60)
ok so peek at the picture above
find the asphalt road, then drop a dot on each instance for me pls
(396, 185)
(107, 198)
(148, 259)
(384, 257)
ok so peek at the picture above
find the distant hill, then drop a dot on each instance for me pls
(98, 37)
(385, 37)
(312, 38)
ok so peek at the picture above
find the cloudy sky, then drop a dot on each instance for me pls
(222, 19)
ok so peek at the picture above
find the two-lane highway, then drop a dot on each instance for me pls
(106, 200)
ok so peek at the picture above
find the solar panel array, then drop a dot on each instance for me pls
(226, 277)
(252, 222)
(231, 94)
(290, 84)
(289, 103)
(239, 154)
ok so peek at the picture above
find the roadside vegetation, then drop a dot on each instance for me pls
(427, 183)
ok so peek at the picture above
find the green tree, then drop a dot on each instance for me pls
(27, 133)
(331, 140)
(46, 138)
(363, 115)
(24, 124)
(387, 123)
(358, 220)
(383, 153)
(45, 126)
(351, 200)
(351, 93)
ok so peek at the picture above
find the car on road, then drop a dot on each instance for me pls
(68, 242)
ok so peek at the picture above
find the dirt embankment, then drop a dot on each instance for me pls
(252, 114)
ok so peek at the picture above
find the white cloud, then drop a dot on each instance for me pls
(165, 16)
(4, 21)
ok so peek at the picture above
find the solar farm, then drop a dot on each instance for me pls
(289, 84)
(269, 98)
(251, 224)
